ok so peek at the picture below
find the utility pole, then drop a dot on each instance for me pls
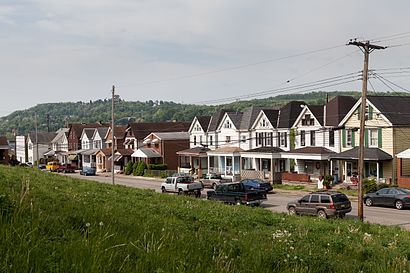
(366, 48)
(112, 135)
(37, 155)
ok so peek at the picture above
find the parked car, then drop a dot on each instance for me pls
(211, 180)
(257, 184)
(323, 204)
(236, 193)
(394, 197)
(66, 168)
(182, 185)
(88, 171)
(52, 166)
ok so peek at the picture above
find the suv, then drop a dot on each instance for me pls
(323, 204)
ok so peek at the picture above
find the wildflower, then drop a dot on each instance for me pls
(101, 224)
(87, 224)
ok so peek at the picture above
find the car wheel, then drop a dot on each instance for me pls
(368, 202)
(238, 202)
(180, 192)
(341, 216)
(398, 204)
(321, 214)
(197, 194)
(163, 190)
(292, 211)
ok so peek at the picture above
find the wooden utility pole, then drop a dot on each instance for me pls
(366, 48)
(112, 135)
(37, 154)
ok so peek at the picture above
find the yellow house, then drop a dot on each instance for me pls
(387, 133)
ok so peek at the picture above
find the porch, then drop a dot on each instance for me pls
(193, 161)
(225, 161)
(264, 163)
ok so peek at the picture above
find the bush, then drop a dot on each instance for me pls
(160, 167)
(134, 168)
(139, 169)
(369, 185)
(382, 186)
(129, 168)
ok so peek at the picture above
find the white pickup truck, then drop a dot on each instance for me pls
(182, 185)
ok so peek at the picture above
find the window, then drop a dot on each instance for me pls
(308, 120)
(259, 138)
(228, 139)
(305, 199)
(228, 124)
(373, 137)
(283, 139)
(349, 137)
(325, 199)
(194, 140)
(314, 198)
(331, 138)
(197, 128)
(243, 139)
(200, 140)
(302, 138)
(312, 138)
(210, 140)
(269, 139)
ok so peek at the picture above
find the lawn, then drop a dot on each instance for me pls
(53, 223)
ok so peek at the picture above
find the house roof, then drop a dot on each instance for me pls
(146, 153)
(106, 151)
(77, 128)
(125, 151)
(172, 135)
(194, 151)
(42, 137)
(289, 113)
(119, 131)
(227, 150)
(272, 150)
(102, 131)
(337, 108)
(311, 150)
(236, 118)
(395, 108)
(216, 119)
(249, 116)
(89, 132)
(317, 111)
(141, 129)
(60, 132)
(369, 154)
(272, 115)
(204, 122)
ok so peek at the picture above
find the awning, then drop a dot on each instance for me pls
(117, 158)
(72, 157)
(146, 153)
(50, 153)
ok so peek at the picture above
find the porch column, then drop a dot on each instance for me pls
(272, 170)
(209, 164)
(233, 165)
(225, 165)
(377, 171)
(331, 167)
(345, 171)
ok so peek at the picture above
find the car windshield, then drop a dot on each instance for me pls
(337, 198)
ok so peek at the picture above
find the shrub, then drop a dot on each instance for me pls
(134, 168)
(382, 186)
(163, 175)
(369, 185)
(160, 167)
(139, 170)
(129, 168)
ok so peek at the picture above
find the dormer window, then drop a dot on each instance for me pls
(263, 123)
(228, 124)
(308, 120)
(197, 128)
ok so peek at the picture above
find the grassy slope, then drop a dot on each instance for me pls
(51, 223)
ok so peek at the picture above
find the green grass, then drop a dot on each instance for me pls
(52, 223)
(290, 187)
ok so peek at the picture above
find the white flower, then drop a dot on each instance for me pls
(87, 224)
(101, 224)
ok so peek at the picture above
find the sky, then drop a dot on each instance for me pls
(198, 52)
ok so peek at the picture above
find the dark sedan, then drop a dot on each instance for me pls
(394, 197)
(257, 184)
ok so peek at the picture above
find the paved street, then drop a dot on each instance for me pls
(276, 201)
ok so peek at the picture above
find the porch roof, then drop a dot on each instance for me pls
(146, 153)
(404, 154)
(226, 151)
(50, 153)
(309, 153)
(196, 151)
(374, 154)
(90, 152)
(265, 151)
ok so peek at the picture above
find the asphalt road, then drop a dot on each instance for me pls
(276, 201)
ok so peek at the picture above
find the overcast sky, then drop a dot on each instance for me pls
(189, 51)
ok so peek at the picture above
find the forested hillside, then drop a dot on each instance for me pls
(56, 115)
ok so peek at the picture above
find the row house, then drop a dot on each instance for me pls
(38, 145)
(59, 146)
(387, 130)
(92, 141)
(4, 149)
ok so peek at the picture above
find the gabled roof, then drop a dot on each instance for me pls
(42, 137)
(59, 134)
(337, 109)
(89, 132)
(311, 150)
(171, 135)
(318, 112)
(77, 128)
(272, 115)
(369, 154)
(216, 119)
(289, 113)
(395, 108)
(249, 116)
(204, 122)
(141, 129)
(102, 131)
(236, 118)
